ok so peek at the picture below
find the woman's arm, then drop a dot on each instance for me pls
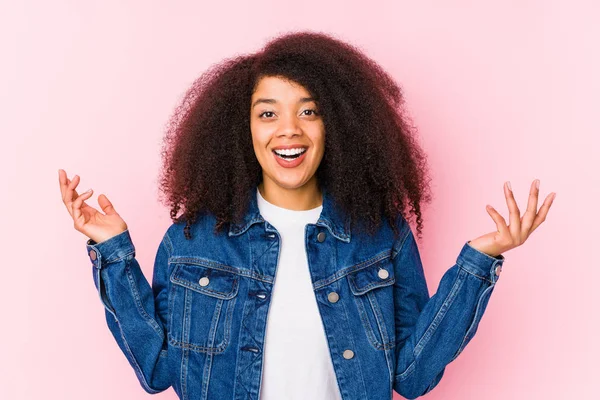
(432, 332)
(135, 312)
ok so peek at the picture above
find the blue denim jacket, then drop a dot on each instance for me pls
(200, 327)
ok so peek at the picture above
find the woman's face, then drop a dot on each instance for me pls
(285, 119)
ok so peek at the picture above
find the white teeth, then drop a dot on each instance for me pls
(290, 152)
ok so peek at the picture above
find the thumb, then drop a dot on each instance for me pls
(106, 205)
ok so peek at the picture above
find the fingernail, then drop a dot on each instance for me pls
(89, 190)
(537, 183)
(508, 184)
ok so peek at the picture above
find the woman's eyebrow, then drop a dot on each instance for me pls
(273, 101)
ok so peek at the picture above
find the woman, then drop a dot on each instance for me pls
(292, 271)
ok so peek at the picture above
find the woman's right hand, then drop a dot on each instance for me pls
(86, 219)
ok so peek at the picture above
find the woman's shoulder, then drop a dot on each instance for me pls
(200, 227)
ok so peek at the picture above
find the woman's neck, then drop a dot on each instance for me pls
(306, 197)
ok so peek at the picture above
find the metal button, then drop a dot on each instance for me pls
(93, 255)
(333, 297)
(498, 270)
(348, 354)
(321, 237)
(383, 273)
(203, 281)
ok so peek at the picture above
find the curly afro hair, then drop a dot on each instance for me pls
(372, 166)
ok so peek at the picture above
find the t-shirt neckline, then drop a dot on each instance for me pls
(272, 211)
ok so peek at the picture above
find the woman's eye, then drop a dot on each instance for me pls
(266, 112)
(269, 114)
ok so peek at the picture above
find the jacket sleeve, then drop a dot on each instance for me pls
(135, 312)
(432, 332)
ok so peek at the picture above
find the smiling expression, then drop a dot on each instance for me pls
(284, 117)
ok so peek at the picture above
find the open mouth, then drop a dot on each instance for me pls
(289, 154)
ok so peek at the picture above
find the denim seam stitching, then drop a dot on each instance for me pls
(483, 278)
(385, 254)
(206, 291)
(219, 266)
(458, 283)
(420, 344)
(237, 379)
(184, 372)
(352, 346)
(117, 259)
(212, 331)
(207, 374)
(475, 320)
(132, 285)
(136, 366)
(185, 352)
(365, 321)
(382, 283)
(106, 303)
(379, 318)
(396, 249)
(168, 244)
(209, 356)
(198, 349)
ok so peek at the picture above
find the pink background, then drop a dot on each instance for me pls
(506, 90)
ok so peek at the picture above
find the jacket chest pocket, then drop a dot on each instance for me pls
(373, 292)
(201, 304)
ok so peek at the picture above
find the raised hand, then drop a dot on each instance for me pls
(86, 219)
(509, 237)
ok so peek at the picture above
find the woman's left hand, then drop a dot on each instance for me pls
(508, 237)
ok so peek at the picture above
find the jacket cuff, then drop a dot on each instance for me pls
(480, 264)
(110, 250)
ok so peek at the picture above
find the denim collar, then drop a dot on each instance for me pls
(331, 218)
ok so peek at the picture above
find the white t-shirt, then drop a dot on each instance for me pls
(296, 364)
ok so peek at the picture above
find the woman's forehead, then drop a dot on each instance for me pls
(276, 86)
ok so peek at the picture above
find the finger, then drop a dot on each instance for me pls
(74, 191)
(514, 214)
(84, 205)
(66, 202)
(106, 205)
(70, 194)
(78, 217)
(62, 183)
(541, 215)
(499, 220)
(530, 213)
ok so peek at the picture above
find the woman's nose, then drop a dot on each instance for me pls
(289, 126)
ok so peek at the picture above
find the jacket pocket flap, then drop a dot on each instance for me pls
(374, 276)
(210, 281)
